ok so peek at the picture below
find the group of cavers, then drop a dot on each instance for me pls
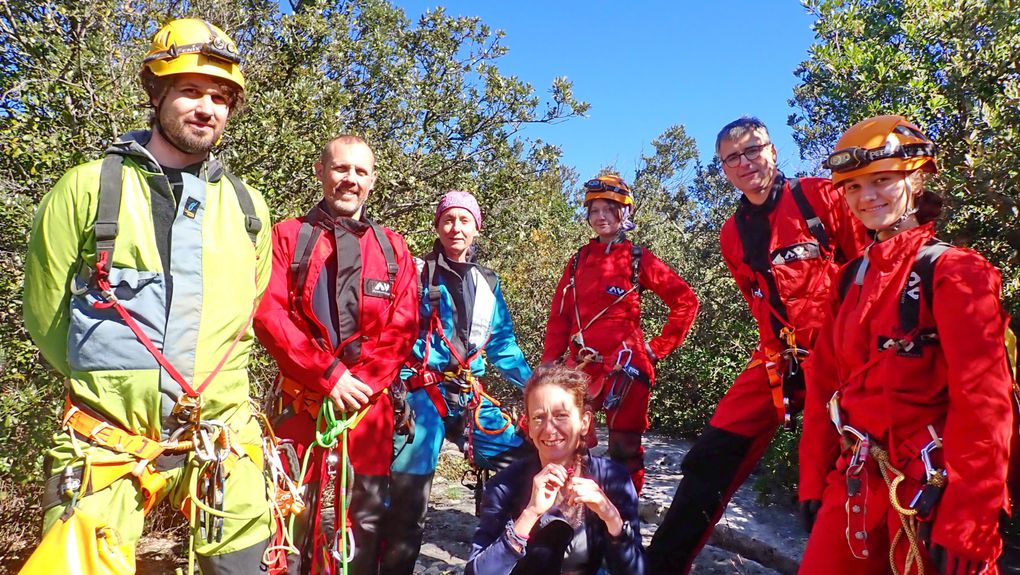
(150, 271)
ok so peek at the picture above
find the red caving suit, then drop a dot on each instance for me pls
(600, 279)
(299, 326)
(959, 385)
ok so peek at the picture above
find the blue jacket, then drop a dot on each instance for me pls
(473, 315)
(507, 494)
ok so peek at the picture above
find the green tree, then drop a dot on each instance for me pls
(951, 67)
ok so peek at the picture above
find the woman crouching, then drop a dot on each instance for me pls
(562, 510)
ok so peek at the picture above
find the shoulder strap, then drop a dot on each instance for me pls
(429, 281)
(111, 182)
(920, 283)
(814, 223)
(387, 249)
(308, 236)
(574, 262)
(635, 266)
(252, 223)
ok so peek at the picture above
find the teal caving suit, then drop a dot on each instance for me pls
(462, 313)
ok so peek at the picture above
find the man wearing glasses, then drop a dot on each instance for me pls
(783, 246)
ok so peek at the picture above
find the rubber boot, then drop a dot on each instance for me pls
(405, 522)
(625, 449)
(712, 470)
(367, 511)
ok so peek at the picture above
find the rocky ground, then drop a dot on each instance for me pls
(750, 539)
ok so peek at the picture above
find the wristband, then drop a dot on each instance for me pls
(518, 542)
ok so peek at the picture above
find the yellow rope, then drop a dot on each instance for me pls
(908, 517)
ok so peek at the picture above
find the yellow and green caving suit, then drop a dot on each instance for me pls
(189, 274)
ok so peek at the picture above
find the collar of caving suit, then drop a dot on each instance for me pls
(887, 254)
(754, 221)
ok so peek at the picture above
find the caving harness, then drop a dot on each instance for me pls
(862, 450)
(213, 449)
(456, 392)
(623, 373)
(786, 379)
(916, 516)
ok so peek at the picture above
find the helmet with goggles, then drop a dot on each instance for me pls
(881, 144)
(193, 46)
(609, 187)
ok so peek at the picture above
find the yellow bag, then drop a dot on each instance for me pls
(80, 545)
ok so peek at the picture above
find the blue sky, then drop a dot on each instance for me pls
(647, 65)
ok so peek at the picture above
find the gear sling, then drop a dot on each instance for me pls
(921, 284)
(786, 379)
(211, 442)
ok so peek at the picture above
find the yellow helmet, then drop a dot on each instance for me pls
(881, 144)
(192, 46)
(609, 187)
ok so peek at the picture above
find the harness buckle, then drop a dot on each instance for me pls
(188, 410)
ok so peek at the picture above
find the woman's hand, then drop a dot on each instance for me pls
(588, 493)
(544, 488)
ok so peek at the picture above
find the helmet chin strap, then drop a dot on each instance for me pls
(911, 209)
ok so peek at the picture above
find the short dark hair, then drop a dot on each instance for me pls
(738, 128)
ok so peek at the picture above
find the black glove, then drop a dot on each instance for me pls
(948, 563)
(808, 513)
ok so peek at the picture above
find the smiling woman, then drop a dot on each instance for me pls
(561, 510)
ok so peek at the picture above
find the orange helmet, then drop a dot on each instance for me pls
(881, 144)
(609, 187)
(189, 45)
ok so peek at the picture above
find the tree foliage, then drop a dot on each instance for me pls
(951, 67)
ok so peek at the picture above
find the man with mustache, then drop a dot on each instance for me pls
(143, 272)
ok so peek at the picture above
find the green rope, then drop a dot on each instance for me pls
(333, 430)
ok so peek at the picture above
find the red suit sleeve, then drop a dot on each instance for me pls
(971, 326)
(282, 332)
(819, 443)
(398, 330)
(678, 297)
(557, 329)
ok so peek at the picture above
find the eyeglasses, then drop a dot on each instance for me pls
(751, 153)
(599, 185)
(854, 158)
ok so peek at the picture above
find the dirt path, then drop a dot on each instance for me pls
(771, 534)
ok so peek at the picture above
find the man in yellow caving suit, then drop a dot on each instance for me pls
(143, 272)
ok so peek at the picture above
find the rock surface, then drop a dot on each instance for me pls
(748, 532)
